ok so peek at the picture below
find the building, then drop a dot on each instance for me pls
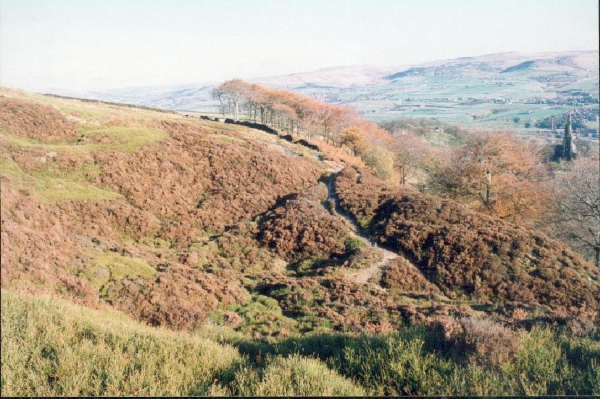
(567, 150)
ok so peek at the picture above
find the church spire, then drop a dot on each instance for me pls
(568, 152)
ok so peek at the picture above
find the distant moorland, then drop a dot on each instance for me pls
(506, 90)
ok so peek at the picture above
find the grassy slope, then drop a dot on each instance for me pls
(51, 347)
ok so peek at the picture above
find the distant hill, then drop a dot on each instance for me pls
(512, 90)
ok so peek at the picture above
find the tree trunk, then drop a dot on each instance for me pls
(488, 188)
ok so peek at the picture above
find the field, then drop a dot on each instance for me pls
(488, 91)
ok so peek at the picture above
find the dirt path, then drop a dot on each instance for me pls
(363, 275)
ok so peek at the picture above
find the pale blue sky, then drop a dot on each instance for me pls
(99, 44)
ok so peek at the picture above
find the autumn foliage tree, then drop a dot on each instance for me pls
(304, 117)
(497, 173)
(411, 154)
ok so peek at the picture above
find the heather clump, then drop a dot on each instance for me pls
(471, 255)
(35, 121)
(479, 341)
(303, 229)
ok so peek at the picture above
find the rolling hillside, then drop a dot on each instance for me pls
(275, 260)
(497, 90)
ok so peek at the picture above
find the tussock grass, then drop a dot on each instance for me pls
(112, 267)
(50, 347)
(292, 376)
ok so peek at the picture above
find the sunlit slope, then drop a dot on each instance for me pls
(53, 348)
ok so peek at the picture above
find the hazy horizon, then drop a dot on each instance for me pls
(103, 45)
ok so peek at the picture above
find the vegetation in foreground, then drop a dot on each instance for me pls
(187, 223)
(51, 347)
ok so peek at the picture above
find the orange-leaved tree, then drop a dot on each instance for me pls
(497, 173)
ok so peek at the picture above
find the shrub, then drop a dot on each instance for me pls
(353, 244)
(301, 228)
(479, 341)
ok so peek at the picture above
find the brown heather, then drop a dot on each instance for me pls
(224, 232)
(470, 255)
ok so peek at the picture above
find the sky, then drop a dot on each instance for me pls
(106, 44)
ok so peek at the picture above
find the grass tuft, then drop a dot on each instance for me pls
(53, 348)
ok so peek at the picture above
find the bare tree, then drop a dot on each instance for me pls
(579, 207)
(410, 155)
(218, 94)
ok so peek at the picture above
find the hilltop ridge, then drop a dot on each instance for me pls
(508, 90)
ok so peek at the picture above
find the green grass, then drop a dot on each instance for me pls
(51, 347)
(128, 140)
(224, 137)
(57, 190)
(413, 362)
(292, 376)
(110, 267)
(8, 167)
(131, 138)
(55, 185)
(263, 315)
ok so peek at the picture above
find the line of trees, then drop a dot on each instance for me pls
(287, 111)
(310, 119)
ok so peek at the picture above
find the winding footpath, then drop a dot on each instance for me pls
(364, 275)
